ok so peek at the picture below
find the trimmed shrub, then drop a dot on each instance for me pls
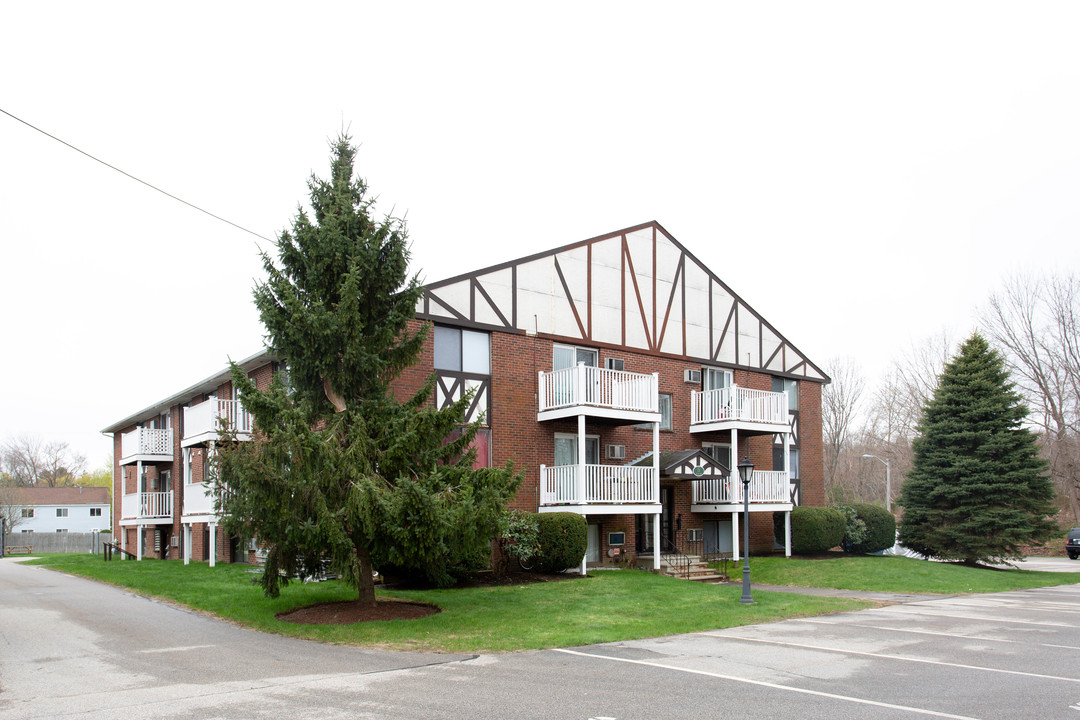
(813, 529)
(855, 528)
(880, 529)
(563, 538)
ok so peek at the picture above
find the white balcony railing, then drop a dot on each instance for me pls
(766, 486)
(147, 505)
(199, 498)
(147, 441)
(210, 417)
(599, 387)
(603, 485)
(738, 404)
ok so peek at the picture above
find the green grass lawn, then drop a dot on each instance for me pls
(891, 573)
(605, 607)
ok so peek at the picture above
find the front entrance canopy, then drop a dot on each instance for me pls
(686, 465)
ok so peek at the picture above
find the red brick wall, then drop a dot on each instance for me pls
(516, 359)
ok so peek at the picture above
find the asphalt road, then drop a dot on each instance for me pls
(71, 648)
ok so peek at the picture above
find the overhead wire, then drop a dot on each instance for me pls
(136, 179)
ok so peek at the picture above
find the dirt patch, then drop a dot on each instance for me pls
(353, 611)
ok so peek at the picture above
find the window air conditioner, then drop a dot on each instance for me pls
(616, 452)
(692, 376)
(613, 363)
(693, 535)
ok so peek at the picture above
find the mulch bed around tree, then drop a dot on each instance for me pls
(353, 611)
(346, 612)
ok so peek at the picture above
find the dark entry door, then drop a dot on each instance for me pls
(667, 523)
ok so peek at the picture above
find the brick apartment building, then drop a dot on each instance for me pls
(619, 374)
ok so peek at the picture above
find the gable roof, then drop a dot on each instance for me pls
(637, 287)
(683, 464)
(64, 495)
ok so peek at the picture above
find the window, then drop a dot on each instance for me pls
(792, 389)
(720, 452)
(95, 512)
(566, 449)
(26, 531)
(461, 350)
(715, 378)
(567, 356)
(61, 512)
(62, 530)
(665, 414)
(778, 461)
(28, 512)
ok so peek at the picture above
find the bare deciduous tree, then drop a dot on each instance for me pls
(1034, 321)
(29, 461)
(839, 411)
(11, 505)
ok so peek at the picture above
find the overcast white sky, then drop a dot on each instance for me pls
(863, 174)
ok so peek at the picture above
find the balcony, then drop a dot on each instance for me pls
(604, 489)
(146, 445)
(204, 421)
(599, 392)
(738, 408)
(198, 502)
(149, 508)
(768, 490)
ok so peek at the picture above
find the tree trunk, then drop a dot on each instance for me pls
(365, 580)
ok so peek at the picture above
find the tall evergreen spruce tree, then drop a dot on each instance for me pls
(342, 473)
(977, 490)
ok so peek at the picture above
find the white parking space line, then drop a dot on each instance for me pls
(926, 612)
(959, 636)
(773, 686)
(900, 658)
(177, 649)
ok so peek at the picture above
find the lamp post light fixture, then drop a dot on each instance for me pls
(746, 472)
(888, 480)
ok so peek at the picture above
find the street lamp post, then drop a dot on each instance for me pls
(888, 480)
(746, 471)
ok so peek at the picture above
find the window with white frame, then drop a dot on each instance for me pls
(95, 512)
(28, 512)
(61, 512)
(715, 378)
(665, 414)
(567, 356)
(791, 387)
(61, 530)
(720, 452)
(566, 449)
(460, 350)
(778, 461)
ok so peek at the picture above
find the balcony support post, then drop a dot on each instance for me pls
(140, 540)
(187, 543)
(787, 534)
(656, 493)
(735, 555)
(212, 554)
(580, 480)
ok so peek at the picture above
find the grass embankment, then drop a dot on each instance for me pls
(891, 573)
(605, 607)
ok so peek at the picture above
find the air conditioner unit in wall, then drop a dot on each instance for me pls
(694, 535)
(613, 363)
(692, 376)
(616, 452)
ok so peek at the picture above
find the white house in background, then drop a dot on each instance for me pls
(63, 509)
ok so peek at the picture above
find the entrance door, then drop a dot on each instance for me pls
(592, 551)
(667, 523)
(717, 537)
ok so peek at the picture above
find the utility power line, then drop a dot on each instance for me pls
(127, 174)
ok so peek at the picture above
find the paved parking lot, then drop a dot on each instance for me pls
(70, 648)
